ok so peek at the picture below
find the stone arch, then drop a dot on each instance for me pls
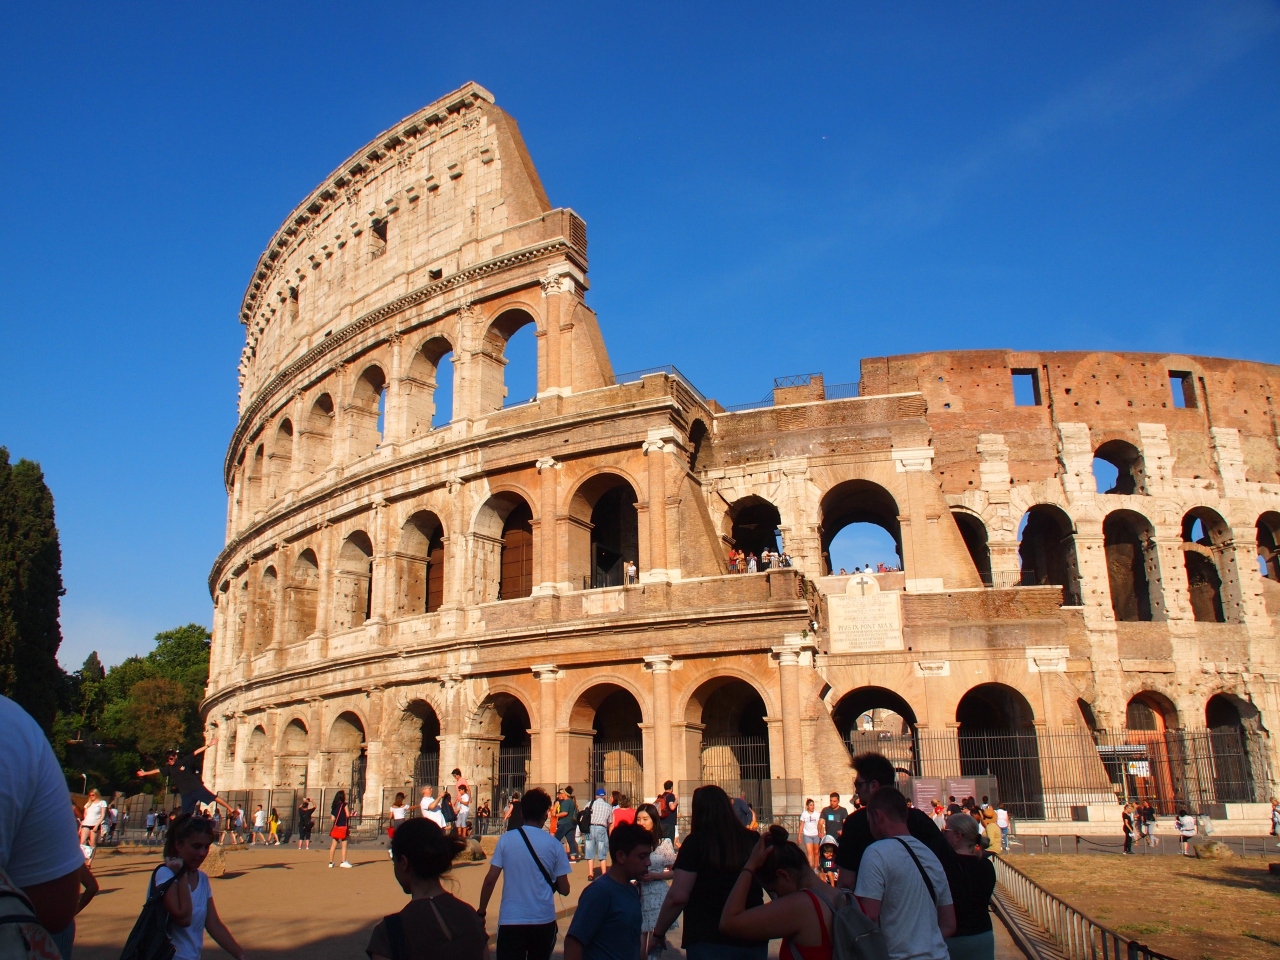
(876, 718)
(365, 411)
(281, 458)
(301, 597)
(1213, 583)
(729, 733)
(974, 533)
(503, 532)
(265, 601)
(997, 738)
(500, 728)
(606, 534)
(255, 755)
(1047, 551)
(605, 742)
(317, 435)
(1268, 530)
(858, 501)
(415, 745)
(1124, 460)
(419, 562)
(1132, 574)
(492, 358)
(698, 437)
(256, 478)
(345, 748)
(353, 582)
(1157, 775)
(427, 390)
(291, 755)
(752, 524)
(1235, 728)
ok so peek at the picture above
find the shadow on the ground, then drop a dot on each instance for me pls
(1244, 878)
(338, 947)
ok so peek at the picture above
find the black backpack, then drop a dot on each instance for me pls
(149, 939)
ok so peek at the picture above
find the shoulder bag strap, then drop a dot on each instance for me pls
(919, 866)
(541, 869)
(395, 936)
(444, 927)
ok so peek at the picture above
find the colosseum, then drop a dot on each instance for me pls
(547, 590)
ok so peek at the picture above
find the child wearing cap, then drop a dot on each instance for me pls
(827, 860)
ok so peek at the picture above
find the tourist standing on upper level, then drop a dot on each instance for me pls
(534, 868)
(974, 939)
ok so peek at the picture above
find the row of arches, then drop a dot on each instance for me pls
(341, 424)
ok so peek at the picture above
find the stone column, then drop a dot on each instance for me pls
(395, 408)
(315, 740)
(660, 667)
(547, 675)
(374, 774)
(380, 587)
(451, 727)
(789, 681)
(654, 451)
(316, 647)
(547, 543)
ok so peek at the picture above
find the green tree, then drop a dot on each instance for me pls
(30, 588)
(154, 717)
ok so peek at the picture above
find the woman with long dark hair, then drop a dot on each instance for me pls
(706, 868)
(340, 829)
(654, 884)
(189, 901)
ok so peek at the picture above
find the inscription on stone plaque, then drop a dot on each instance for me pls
(864, 620)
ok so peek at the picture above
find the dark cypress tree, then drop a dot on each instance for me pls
(30, 588)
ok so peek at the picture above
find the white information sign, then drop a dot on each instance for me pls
(864, 620)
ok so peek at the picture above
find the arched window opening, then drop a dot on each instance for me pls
(1212, 580)
(1268, 528)
(1047, 552)
(497, 377)
(1154, 764)
(1118, 468)
(264, 610)
(422, 731)
(616, 760)
(520, 375)
(255, 755)
(697, 437)
(517, 554)
(755, 522)
(504, 548)
(291, 772)
(1235, 729)
(353, 582)
(614, 529)
(860, 527)
(974, 532)
(428, 388)
(364, 418)
(503, 745)
(734, 744)
(257, 467)
(281, 458)
(318, 435)
(997, 738)
(874, 718)
(301, 597)
(420, 563)
(1130, 549)
(345, 755)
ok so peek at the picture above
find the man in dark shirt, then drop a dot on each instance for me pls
(184, 771)
(833, 817)
(668, 800)
(874, 771)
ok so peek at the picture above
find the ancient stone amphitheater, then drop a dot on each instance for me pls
(410, 586)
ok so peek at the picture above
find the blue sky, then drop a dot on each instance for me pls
(768, 191)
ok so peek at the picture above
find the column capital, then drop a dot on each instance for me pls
(788, 656)
(546, 672)
(659, 663)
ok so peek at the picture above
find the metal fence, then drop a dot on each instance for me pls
(1053, 776)
(1078, 936)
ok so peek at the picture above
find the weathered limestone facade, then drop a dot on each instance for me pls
(390, 588)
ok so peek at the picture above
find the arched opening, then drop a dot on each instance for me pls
(421, 726)
(364, 413)
(301, 597)
(1130, 548)
(1154, 762)
(860, 527)
(420, 565)
(504, 548)
(353, 582)
(503, 744)
(520, 375)
(257, 468)
(697, 437)
(874, 718)
(493, 360)
(291, 766)
(264, 610)
(1211, 575)
(601, 549)
(610, 715)
(255, 756)
(428, 388)
(1235, 728)
(317, 435)
(346, 758)
(1268, 528)
(1047, 552)
(754, 531)
(281, 458)
(733, 745)
(1118, 468)
(974, 532)
(997, 738)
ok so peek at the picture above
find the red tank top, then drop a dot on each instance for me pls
(794, 951)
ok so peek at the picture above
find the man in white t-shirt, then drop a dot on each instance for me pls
(527, 918)
(39, 848)
(1002, 821)
(902, 886)
(259, 825)
(430, 807)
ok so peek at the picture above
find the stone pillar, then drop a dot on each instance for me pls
(395, 409)
(660, 667)
(547, 675)
(655, 452)
(380, 587)
(451, 727)
(374, 774)
(789, 681)
(547, 543)
(324, 596)
(315, 741)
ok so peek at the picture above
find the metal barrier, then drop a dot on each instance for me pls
(1079, 937)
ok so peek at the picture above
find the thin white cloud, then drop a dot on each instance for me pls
(115, 638)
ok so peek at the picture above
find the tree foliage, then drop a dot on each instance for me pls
(30, 588)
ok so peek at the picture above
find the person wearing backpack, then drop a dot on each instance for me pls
(902, 886)
(184, 890)
(534, 868)
(434, 924)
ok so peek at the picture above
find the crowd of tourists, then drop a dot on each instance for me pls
(749, 562)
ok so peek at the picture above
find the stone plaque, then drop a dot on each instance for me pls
(864, 620)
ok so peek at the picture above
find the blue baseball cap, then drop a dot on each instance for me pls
(600, 792)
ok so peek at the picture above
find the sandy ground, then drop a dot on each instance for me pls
(281, 902)
(1196, 909)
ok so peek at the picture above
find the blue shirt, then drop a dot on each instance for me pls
(607, 921)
